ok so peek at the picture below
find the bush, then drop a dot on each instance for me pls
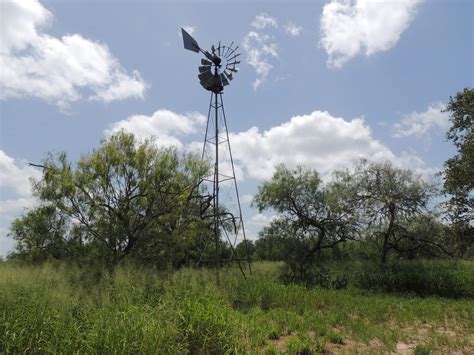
(315, 276)
(444, 278)
(424, 278)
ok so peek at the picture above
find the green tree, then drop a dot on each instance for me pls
(128, 197)
(271, 243)
(40, 235)
(459, 170)
(311, 215)
(425, 236)
(245, 249)
(384, 199)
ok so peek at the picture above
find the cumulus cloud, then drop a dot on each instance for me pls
(166, 126)
(420, 123)
(57, 70)
(15, 194)
(15, 175)
(256, 223)
(317, 140)
(261, 51)
(264, 20)
(293, 29)
(350, 28)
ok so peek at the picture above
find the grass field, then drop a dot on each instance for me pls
(64, 309)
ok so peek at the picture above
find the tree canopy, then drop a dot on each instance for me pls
(125, 198)
(459, 170)
(384, 199)
(309, 212)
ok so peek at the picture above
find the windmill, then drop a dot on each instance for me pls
(215, 72)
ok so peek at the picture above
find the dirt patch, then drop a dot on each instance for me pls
(280, 343)
(404, 349)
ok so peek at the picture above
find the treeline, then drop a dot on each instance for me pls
(131, 201)
(372, 211)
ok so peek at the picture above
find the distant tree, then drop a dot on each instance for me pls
(271, 243)
(40, 235)
(311, 217)
(385, 199)
(127, 196)
(425, 236)
(245, 249)
(458, 171)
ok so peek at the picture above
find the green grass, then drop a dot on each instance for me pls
(445, 278)
(59, 309)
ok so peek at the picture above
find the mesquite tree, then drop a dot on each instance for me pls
(126, 196)
(311, 217)
(384, 198)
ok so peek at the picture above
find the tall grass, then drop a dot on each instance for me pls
(444, 278)
(63, 309)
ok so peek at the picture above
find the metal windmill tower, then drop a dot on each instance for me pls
(215, 72)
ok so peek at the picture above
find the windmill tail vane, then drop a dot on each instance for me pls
(215, 72)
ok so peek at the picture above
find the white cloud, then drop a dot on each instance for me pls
(260, 49)
(15, 175)
(14, 183)
(349, 28)
(246, 199)
(57, 70)
(293, 29)
(167, 126)
(420, 123)
(256, 223)
(317, 140)
(264, 20)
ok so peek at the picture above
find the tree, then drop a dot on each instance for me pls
(245, 249)
(425, 236)
(128, 197)
(311, 216)
(40, 235)
(384, 199)
(459, 170)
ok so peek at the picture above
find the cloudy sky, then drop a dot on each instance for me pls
(321, 83)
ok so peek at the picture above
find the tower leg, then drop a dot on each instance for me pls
(224, 217)
(216, 193)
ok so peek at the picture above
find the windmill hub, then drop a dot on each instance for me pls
(211, 75)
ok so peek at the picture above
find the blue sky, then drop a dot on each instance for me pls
(321, 83)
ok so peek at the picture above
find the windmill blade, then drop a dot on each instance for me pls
(213, 82)
(235, 70)
(233, 63)
(228, 49)
(229, 75)
(205, 76)
(189, 42)
(204, 68)
(233, 57)
(206, 62)
(219, 49)
(209, 83)
(224, 80)
(233, 51)
(217, 81)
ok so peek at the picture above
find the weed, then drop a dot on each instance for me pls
(335, 338)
